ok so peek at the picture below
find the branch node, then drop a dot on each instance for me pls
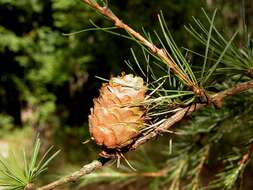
(250, 73)
(29, 186)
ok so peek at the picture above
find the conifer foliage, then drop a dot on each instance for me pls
(200, 100)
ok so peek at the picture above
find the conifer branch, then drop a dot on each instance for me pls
(177, 117)
(161, 53)
(86, 169)
(218, 98)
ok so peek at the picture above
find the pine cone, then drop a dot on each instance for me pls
(116, 117)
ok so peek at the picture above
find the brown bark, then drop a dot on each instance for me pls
(86, 169)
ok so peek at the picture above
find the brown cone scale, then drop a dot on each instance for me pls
(116, 117)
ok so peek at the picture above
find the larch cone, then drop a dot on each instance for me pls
(117, 116)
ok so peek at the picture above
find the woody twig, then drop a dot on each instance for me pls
(161, 53)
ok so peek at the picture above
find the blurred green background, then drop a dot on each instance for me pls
(47, 78)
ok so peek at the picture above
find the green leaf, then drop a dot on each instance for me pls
(207, 48)
(16, 173)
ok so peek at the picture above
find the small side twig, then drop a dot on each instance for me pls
(218, 98)
(246, 157)
(86, 169)
(163, 55)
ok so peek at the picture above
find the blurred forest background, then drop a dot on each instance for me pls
(47, 74)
